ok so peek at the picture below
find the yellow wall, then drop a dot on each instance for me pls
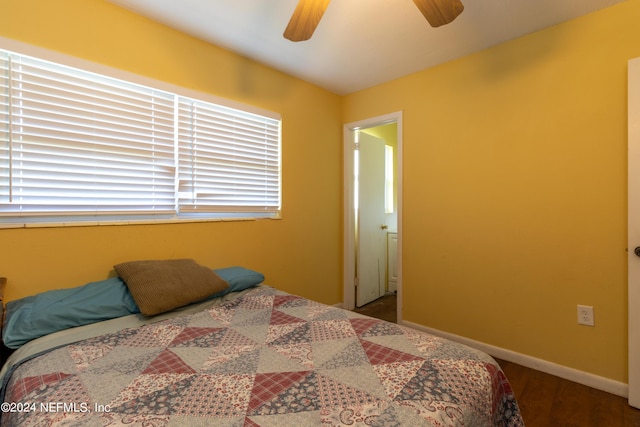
(389, 133)
(301, 253)
(515, 190)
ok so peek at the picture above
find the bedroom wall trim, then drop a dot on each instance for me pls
(585, 378)
(127, 222)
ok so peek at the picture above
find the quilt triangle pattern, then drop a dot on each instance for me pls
(219, 396)
(129, 361)
(243, 361)
(395, 376)
(168, 363)
(74, 396)
(224, 315)
(379, 354)
(290, 334)
(258, 317)
(280, 318)
(144, 385)
(318, 312)
(257, 302)
(427, 385)
(280, 301)
(299, 352)
(352, 355)
(235, 339)
(329, 330)
(85, 355)
(71, 387)
(274, 393)
(160, 401)
(361, 325)
(461, 378)
(289, 419)
(111, 340)
(248, 422)
(239, 360)
(335, 394)
(194, 335)
(382, 329)
(154, 335)
(26, 385)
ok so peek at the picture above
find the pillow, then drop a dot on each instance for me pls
(38, 315)
(238, 278)
(162, 285)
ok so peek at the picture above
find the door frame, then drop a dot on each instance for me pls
(633, 262)
(349, 226)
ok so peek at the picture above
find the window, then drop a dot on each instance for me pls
(78, 146)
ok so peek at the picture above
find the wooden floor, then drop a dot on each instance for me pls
(545, 400)
(383, 308)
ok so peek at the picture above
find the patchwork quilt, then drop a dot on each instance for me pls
(266, 358)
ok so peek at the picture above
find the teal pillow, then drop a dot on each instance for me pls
(238, 278)
(38, 315)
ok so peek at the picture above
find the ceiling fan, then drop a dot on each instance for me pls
(308, 13)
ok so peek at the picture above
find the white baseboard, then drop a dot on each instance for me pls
(601, 383)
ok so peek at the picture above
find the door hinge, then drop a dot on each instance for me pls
(356, 282)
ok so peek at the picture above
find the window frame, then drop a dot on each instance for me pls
(180, 92)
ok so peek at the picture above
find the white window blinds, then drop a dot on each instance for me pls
(76, 144)
(228, 160)
(4, 128)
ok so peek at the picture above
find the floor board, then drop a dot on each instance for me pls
(383, 308)
(546, 400)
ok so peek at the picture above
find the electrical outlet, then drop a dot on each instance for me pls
(585, 315)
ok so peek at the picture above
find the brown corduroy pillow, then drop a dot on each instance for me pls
(162, 285)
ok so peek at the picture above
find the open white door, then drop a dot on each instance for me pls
(371, 228)
(349, 218)
(634, 231)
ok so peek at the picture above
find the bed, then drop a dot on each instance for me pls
(250, 356)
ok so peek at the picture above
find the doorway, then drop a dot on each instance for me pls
(391, 223)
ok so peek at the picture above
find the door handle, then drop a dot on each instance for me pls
(385, 226)
(637, 251)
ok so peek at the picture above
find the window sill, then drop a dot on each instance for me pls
(59, 224)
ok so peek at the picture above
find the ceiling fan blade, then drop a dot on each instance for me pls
(440, 12)
(305, 19)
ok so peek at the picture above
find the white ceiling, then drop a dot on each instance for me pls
(359, 43)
